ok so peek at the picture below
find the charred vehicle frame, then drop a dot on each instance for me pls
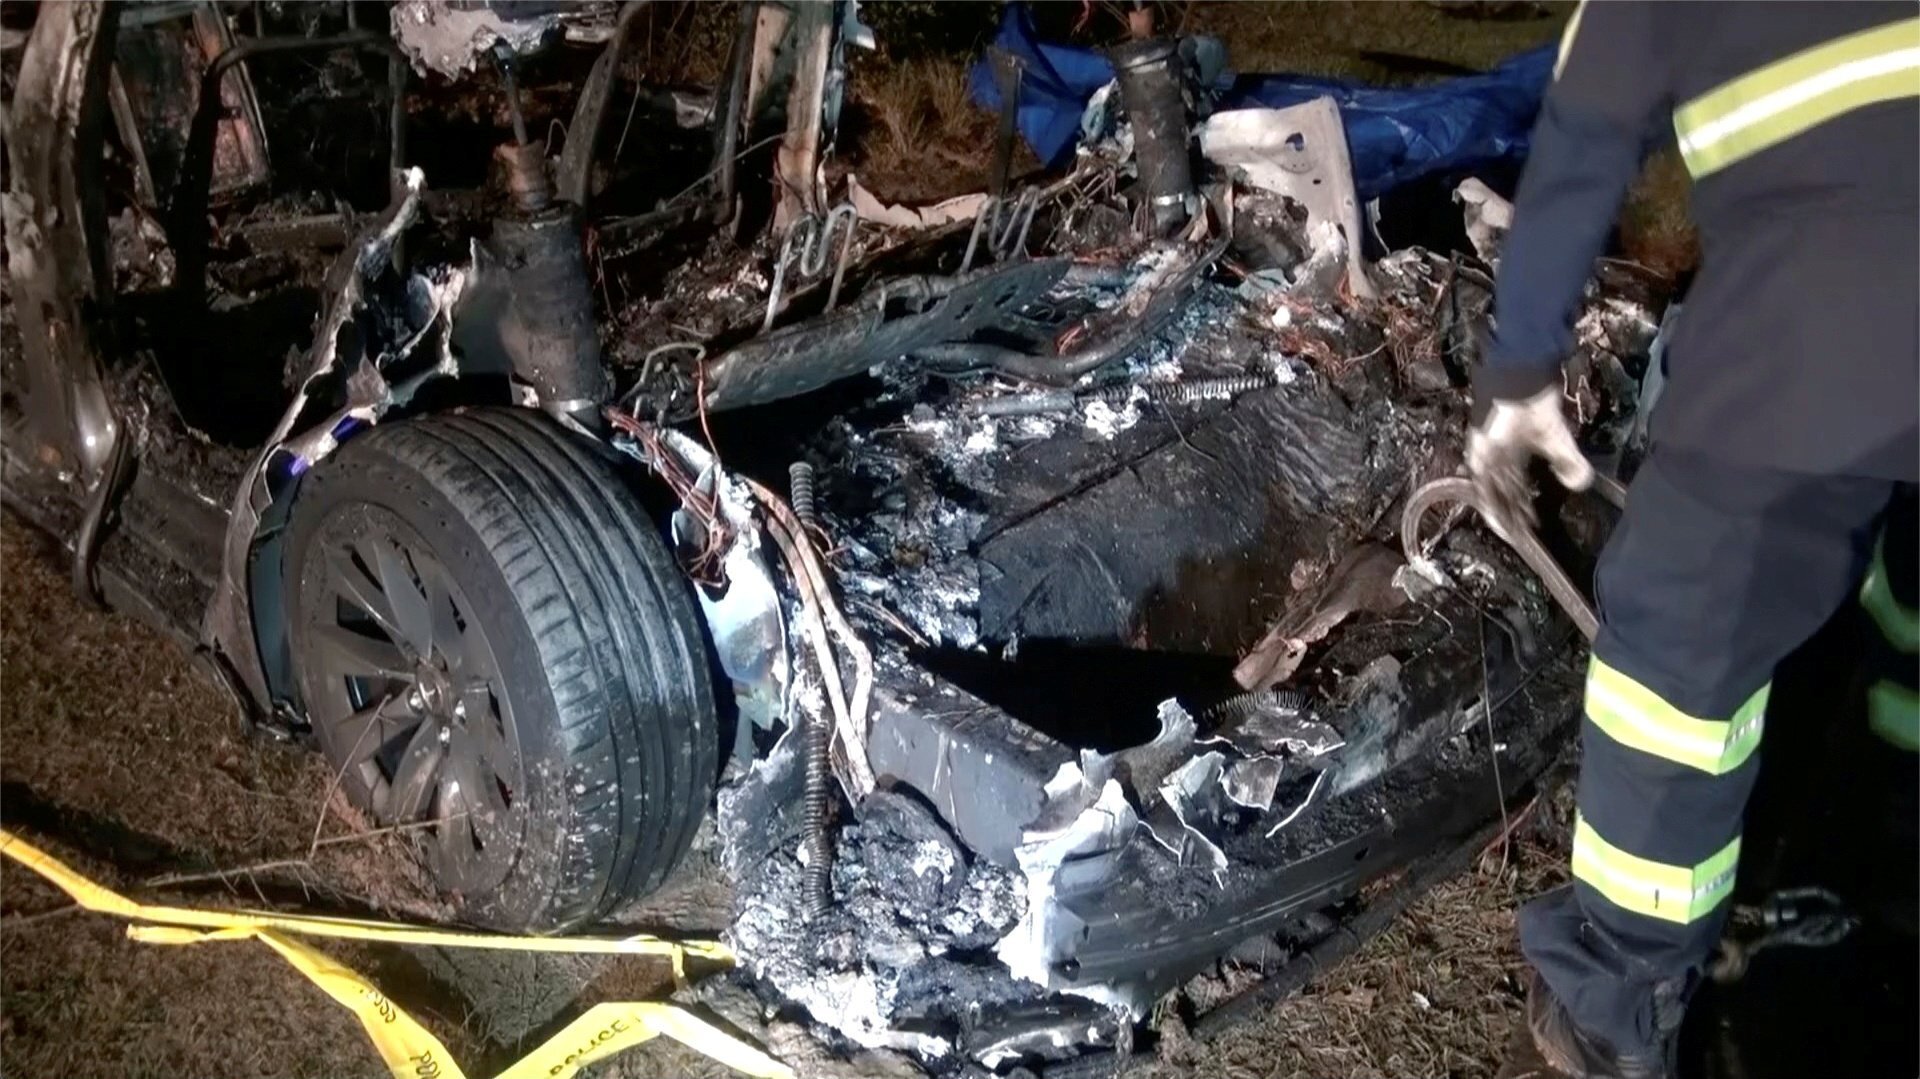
(1025, 585)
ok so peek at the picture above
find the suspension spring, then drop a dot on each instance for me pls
(1182, 393)
(818, 733)
(815, 822)
(800, 494)
(1165, 393)
(1242, 705)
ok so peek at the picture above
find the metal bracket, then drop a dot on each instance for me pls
(1005, 225)
(805, 248)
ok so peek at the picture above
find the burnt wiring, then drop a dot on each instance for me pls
(807, 575)
(704, 566)
(824, 624)
(811, 580)
(780, 517)
(661, 383)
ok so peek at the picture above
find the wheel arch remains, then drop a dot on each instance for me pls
(244, 628)
(55, 210)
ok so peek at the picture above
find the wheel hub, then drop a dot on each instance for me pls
(433, 693)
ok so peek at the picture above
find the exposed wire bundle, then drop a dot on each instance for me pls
(818, 613)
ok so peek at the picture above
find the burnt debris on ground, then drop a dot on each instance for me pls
(1046, 548)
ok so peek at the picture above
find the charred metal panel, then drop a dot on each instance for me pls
(1215, 521)
(898, 318)
(55, 214)
(1423, 753)
(982, 770)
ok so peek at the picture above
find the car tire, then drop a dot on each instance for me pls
(493, 642)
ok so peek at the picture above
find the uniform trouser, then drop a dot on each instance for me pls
(1716, 573)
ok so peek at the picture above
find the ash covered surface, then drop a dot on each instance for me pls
(934, 486)
(902, 959)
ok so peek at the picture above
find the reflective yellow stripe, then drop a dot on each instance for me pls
(1635, 716)
(1669, 892)
(1745, 115)
(1566, 37)
(408, 1048)
(1899, 623)
(1893, 712)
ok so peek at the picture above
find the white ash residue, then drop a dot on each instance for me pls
(907, 905)
(1104, 420)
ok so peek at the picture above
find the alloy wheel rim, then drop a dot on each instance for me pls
(410, 700)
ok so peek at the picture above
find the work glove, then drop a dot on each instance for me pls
(1506, 435)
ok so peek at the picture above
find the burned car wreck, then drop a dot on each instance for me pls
(1017, 586)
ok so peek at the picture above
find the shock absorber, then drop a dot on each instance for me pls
(1149, 79)
(548, 330)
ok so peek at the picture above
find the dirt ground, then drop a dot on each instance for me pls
(117, 755)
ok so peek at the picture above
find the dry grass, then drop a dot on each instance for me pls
(1656, 228)
(682, 42)
(107, 722)
(912, 134)
(104, 718)
(1372, 40)
(109, 719)
(1439, 993)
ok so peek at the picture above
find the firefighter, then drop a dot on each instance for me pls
(1786, 429)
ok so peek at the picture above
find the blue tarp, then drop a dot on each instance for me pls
(1393, 134)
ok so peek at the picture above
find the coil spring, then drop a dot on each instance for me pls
(818, 737)
(1181, 393)
(800, 493)
(1245, 704)
(814, 821)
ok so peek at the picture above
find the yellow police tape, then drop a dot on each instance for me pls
(409, 1050)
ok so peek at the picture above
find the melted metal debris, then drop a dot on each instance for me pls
(1088, 822)
(893, 964)
(899, 962)
(909, 548)
(439, 37)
